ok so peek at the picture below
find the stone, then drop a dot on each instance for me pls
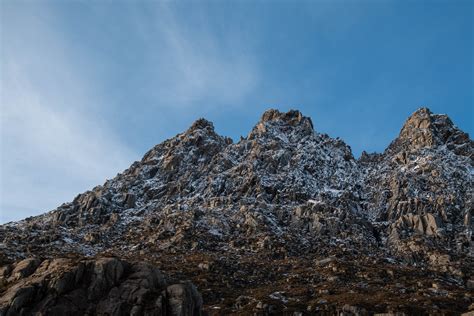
(99, 286)
(129, 200)
(204, 266)
(183, 299)
(24, 268)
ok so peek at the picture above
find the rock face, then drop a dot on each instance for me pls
(425, 182)
(103, 286)
(427, 130)
(260, 215)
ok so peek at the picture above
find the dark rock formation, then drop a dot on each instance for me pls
(102, 286)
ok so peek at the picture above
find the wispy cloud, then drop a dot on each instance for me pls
(189, 65)
(53, 144)
(64, 67)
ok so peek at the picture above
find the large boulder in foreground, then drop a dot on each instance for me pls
(102, 286)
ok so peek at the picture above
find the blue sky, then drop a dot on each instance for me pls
(89, 87)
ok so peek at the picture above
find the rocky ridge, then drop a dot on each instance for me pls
(337, 230)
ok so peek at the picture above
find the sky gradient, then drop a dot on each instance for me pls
(89, 87)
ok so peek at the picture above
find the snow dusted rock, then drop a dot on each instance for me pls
(263, 210)
(423, 186)
(426, 224)
(424, 129)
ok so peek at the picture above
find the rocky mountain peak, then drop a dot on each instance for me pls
(419, 130)
(201, 124)
(275, 121)
(423, 129)
(292, 117)
(201, 133)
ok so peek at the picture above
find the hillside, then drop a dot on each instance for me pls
(285, 220)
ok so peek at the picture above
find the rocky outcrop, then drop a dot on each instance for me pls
(283, 121)
(426, 224)
(423, 186)
(424, 129)
(103, 286)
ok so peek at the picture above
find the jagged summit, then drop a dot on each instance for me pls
(423, 129)
(419, 130)
(200, 124)
(242, 216)
(275, 122)
(292, 117)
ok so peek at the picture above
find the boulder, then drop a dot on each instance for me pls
(102, 286)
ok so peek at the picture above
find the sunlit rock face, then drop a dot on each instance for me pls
(424, 129)
(283, 208)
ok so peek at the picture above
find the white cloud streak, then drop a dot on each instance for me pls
(194, 64)
(52, 144)
(54, 141)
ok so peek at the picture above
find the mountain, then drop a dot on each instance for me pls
(284, 221)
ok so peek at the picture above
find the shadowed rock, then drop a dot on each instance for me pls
(103, 286)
